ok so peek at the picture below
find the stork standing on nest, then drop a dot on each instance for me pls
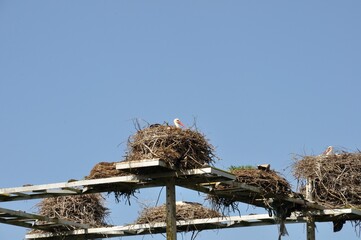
(328, 151)
(338, 223)
(178, 123)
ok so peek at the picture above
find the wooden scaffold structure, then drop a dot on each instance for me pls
(159, 174)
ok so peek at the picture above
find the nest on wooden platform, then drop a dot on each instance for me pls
(184, 211)
(179, 148)
(336, 178)
(106, 170)
(271, 184)
(268, 181)
(84, 209)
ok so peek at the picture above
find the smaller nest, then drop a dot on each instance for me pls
(84, 209)
(184, 211)
(106, 170)
(336, 178)
(270, 182)
(180, 148)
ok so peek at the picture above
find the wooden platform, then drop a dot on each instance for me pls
(144, 166)
(183, 178)
(155, 173)
(197, 224)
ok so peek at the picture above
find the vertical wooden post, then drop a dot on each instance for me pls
(310, 225)
(171, 210)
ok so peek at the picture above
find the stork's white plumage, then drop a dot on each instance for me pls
(328, 151)
(178, 123)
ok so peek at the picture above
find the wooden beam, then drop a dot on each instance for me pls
(310, 224)
(100, 185)
(80, 183)
(171, 210)
(194, 224)
(161, 227)
(145, 163)
(19, 218)
(303, 202)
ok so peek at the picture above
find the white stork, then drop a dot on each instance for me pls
(178, 123)
(328, 151)
(337, 224)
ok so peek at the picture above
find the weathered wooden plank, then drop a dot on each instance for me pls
(80, 183)
(23, 215)
(16, 223)
(74, 190)
(90, 186)
(161, 227)
(200, 224)
(222, 173)
(93, 182)
(20, 194)
(64, 188)
(4, 196)
(145, 163)
(303, 202)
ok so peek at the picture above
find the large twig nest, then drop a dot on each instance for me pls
(336, 178)
(180, 148)
(85, 209)
(184, 211)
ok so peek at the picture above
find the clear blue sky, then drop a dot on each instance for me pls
(264, 80)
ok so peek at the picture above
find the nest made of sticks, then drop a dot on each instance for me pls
(268, 181)
(336, 178)
(106, 170)
(180, 148)
(85, 209)
(184, 211)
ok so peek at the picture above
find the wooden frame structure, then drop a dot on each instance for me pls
(197, 224)
(28, 220)
(155, 173)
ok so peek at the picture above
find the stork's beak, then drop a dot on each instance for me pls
(180, 123)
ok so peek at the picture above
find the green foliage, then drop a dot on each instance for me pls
(242, 167)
